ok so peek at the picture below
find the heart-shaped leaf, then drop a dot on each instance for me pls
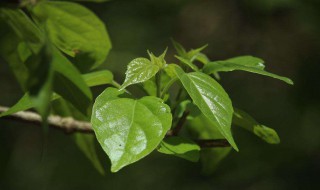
(129, 129)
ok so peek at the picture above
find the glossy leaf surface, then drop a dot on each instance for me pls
(76, 31)
(244, 120)
(211, 99)
(180, 147)
(129, 129)
(245, 63)
(139, 70)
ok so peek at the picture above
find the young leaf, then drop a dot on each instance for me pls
(244, 63)
(180, 147)
(139, 70)
(188, 63)
(179, 48)
(128, 129)
(76, 31)
(243, 119)
(211, 99)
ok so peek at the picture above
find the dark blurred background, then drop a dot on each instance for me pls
(285, 33)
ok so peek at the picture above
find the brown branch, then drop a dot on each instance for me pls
(70, 125)
(67, 124)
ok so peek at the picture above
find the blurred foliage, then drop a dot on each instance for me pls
(285, 33)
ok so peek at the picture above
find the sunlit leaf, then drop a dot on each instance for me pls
(180, 147)
(129, 129)
(139, 70)
(211, 99)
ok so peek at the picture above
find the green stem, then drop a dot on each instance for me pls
(117, 85)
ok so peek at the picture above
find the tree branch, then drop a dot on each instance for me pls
(70, 125)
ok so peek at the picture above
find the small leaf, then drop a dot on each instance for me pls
(128, 129)
(179, 48)
(98, 78)
(180, 147)
(243, 119)
(245, 63)
(76, 31)
(139, 70)
(188, 63)
(211, 99)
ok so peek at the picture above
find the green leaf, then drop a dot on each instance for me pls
(95, 1)
(25, 29)
(69, 83)
(128, 129)
(243, 119)
(211, 99)
(202, 128)
(9, 43)
(202, 58)
(139, 70)
(180, 147)
(179, 48)
(188, 63)
(40, 80)
(90, 79)
(244, 63)
(76, 31)
(159, 61)
(98, 78)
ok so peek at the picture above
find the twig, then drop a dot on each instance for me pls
(175, 131)
(70, 125)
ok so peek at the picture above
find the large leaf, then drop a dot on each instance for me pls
(180, 147)
(76, 31)
(129, 129)
(139, 70)
(201, 127)
(243, 119)
(211, 99)
(24, 28)
(9, 43)
(244, 63)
